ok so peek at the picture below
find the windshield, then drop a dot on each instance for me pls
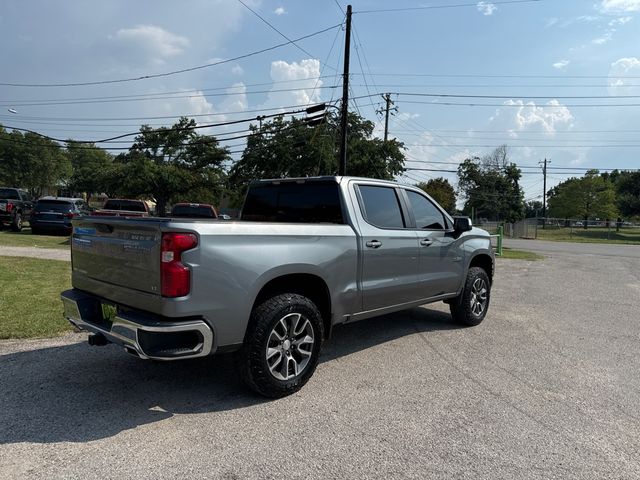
(53, 206)
(9, 194)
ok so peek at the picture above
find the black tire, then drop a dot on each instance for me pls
(16, 224)
(254, 367)
(463, 308)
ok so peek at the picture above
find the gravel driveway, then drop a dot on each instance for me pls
(35, 252)
(546, 387)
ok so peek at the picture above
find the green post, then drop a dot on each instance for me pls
(500, 235)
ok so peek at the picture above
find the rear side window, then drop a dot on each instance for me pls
(53, 206)
(381, 206)
(129, 205)
(308, 202)
(192, 212)
(427, 216)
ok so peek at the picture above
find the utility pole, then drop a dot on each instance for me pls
(387, 110)
(544, 192)
(345, 95)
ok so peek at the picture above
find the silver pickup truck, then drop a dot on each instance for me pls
(306, 255)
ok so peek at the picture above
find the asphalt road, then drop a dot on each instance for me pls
(547, 387)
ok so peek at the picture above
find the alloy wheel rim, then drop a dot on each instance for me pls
(479, 296)
(290, 346)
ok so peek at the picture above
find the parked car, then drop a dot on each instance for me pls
(193, 210)
(15, 207)
(54, 214)
(123, 207)
(307, 254)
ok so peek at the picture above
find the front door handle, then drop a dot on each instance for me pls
(374, 244)
(425, 242)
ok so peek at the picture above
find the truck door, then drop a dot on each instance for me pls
(389, 249)
(441, 257)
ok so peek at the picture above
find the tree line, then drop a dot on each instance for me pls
(176, 164)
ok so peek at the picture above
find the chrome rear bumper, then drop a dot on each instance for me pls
(140, 334)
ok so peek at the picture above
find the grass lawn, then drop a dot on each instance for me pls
(26, 239)
(30, 305)
(591, 235)
(519, 255)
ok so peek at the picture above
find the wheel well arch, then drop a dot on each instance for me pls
(485, 262)
(308, 285)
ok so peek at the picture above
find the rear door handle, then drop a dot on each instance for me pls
(374, 244)
(425, 242)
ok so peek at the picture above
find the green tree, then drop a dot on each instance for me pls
(532, 208)
(627, 186)
(491, 186)
(442, 192)
(589, 197)
(32, 162)
(92, 168)
(170, 163)
(292, 148)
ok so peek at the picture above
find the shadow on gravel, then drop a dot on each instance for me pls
(78, 393)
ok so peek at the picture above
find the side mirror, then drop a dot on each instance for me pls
(462, 224)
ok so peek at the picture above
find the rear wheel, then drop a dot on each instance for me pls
(471, 306)
(16, 224)
(282, 345)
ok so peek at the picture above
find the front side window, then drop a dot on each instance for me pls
(427, 216)
(381, 206)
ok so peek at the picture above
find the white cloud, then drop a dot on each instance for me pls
(551, 22)
(303, 78)
(237, 70)
(613, 6)
(149, 41)
(486, 8)
(280, 11)
(604, 38)
(237, 100)
(518, 116)
(620, 21)
(623, 67)
(561, 64)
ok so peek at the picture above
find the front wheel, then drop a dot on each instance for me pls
(471, 306)
(282, 345)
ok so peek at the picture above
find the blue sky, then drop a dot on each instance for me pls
(517, 51)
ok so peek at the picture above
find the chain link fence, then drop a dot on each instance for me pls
(561, 228)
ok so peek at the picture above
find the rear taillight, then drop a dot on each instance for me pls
(9, 207)
(175, 277)
(69, 215)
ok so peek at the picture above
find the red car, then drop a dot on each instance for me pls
(194, 210)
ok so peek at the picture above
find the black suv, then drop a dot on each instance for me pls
(54, 214)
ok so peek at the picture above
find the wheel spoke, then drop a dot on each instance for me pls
(271, 352)
(294, 319)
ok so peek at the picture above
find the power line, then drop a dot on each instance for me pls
(31, 103)
(437, 7)
(190, 127)
(174, 72)
(174, 92)
(524, 105)
(279, 32)
(160, 117)
(509, 97)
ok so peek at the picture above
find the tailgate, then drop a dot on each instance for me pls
(119, 252)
